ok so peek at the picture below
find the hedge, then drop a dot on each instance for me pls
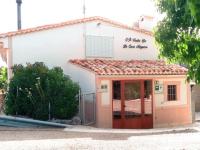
(35, 87)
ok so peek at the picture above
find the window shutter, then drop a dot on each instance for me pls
(99, 46)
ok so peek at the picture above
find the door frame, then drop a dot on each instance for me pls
(143, 117)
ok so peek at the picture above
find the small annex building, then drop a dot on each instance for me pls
(138, 93)
(116, 62)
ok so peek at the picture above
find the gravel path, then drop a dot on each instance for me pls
(59, 139)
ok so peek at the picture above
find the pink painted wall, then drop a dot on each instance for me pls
(165, 113)
(172, 116)
(103, 111)
(175, 114)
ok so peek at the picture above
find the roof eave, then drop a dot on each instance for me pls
(72, 22)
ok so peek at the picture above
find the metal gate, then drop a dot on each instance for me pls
(87, 108)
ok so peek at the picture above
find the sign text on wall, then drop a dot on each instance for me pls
(134, 43)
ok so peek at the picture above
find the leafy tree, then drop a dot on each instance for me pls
(34, 87)
(177, 35)
(194, 6)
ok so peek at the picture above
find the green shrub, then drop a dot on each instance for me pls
(34, 87)
(3, 78)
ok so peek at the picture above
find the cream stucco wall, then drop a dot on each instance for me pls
(119, 35)
(56, 46)
(84, 78)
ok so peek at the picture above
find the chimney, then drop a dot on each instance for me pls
(146, 22)
(19, 2)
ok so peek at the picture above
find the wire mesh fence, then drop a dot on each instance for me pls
(87, 108)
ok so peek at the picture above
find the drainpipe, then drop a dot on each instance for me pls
(19, 2)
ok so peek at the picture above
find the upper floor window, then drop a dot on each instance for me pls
(99, 46)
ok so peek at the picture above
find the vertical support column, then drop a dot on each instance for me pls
(153, 103)
(142, 103)
(142, 96)
(3, 52)
(190, 103)
(83, 104)
(94, 107)
(122, 104)
(10, 58)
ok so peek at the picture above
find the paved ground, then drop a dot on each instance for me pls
(188, 141)
(79, 137)
(89, 138)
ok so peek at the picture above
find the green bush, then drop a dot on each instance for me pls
(3, 78)
(34, 87)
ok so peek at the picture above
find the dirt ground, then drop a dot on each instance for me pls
(85, 138)
(20, 134)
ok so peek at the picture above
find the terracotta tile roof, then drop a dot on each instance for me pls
(72, 22)
(132, 67)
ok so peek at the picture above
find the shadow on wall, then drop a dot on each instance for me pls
(196, 97)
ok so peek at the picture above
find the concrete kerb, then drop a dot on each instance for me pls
(24, 122)
(86, 129)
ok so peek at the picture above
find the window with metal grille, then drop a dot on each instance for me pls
(171, 92)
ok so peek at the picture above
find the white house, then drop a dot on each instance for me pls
(90, 50)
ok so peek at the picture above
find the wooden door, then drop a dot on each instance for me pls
(133, 107)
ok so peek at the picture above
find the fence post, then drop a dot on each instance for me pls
(94, 106)
(83, 107)
(15, 101)
(79, 103)
(49, 111)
